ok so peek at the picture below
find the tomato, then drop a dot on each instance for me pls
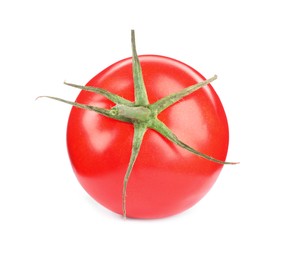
(166, 179)
(148, 136)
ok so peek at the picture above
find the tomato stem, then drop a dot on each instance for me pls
(111, 113)
(169, 100)
(161, 128)
(140, 92)
(111, 96)
(136, 114)
(139, 131)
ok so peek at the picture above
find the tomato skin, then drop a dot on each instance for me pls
(166, 179)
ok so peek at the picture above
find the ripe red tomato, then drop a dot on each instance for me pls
(166, 178)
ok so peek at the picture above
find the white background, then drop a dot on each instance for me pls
(45, 214)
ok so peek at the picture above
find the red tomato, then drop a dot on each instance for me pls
(166, 179)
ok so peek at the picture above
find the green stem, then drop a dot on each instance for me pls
(140, 92)
(111, 113)
(139, 131)
(136, 114)
(169, 100)
(161, 128)
(112, 97)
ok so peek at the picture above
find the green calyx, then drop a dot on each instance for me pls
(141, 114)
